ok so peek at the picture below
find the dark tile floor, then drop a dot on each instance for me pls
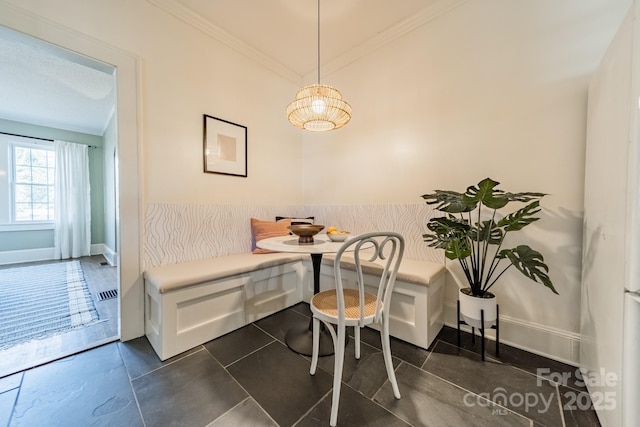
(250, 378)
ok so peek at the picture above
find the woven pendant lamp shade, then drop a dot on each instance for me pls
(318, 108)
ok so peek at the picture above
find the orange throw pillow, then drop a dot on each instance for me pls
(264, 229)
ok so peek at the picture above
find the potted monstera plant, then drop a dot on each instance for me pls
(473, 232)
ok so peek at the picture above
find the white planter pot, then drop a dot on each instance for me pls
(470, 308)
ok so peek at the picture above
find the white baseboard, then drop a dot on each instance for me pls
(110, 256)
(26, 255)
(97, 249)
(543, 340)
(44, 254)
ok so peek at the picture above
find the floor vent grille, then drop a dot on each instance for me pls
(110, 294)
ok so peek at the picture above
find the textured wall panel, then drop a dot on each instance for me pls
(177, 233)
(410, 220)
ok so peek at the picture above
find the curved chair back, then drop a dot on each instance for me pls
(382, 248)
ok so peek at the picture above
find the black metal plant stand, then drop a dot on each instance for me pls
(496, 326)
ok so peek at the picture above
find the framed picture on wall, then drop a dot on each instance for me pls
(225, 147)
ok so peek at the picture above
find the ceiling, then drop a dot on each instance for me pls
(283, 34)
(287, 30)
(53, 87)
(49, 86)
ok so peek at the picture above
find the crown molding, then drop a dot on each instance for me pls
(428, 14)
(188, 16)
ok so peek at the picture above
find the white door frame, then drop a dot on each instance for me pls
(130, 200)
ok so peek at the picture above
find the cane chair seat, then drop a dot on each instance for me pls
(327, 303)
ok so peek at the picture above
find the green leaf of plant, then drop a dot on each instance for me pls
(520, 218)
(448, 225)
(444, 230)
(451, 234)
(488, 230)
(530, 263)
(439, 241)
(486, 194)
(457, 249)
(448, 201)
(523, 197)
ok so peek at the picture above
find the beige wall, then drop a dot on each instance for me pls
(185, 74)
(494, 88)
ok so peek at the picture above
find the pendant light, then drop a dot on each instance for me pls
(317, 107)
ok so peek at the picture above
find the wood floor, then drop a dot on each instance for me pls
(100, 277)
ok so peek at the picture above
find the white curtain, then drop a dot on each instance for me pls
(72, 233)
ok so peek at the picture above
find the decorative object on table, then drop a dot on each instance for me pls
(357, 308)
(295, 220)
(263, 229)
(305, 232)
(225, 147)
(317, 107)
(336, 235)
(474, 236)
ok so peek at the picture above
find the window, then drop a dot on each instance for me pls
(33, 183)
(27, 173)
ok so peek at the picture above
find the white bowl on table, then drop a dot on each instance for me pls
(338, 237)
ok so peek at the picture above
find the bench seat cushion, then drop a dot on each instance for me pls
(167, 278)
(411, 271)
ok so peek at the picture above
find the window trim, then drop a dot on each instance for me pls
(15, 225)
(33, 226)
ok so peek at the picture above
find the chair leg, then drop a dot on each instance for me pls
(337, 374)
(388, 361)
(356, 334)
(316, 346)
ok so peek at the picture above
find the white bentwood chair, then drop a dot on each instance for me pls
(345, 307)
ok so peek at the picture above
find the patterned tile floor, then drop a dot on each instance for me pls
(250, 378)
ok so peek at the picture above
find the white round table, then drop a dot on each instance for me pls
(299, 338)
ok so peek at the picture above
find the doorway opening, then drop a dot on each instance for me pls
(25, 245)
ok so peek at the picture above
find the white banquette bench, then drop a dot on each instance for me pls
(418, 296)
(195, 291)
(190, 303)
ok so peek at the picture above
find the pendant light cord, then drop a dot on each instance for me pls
(318, 41)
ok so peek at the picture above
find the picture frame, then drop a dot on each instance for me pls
(224, 147)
